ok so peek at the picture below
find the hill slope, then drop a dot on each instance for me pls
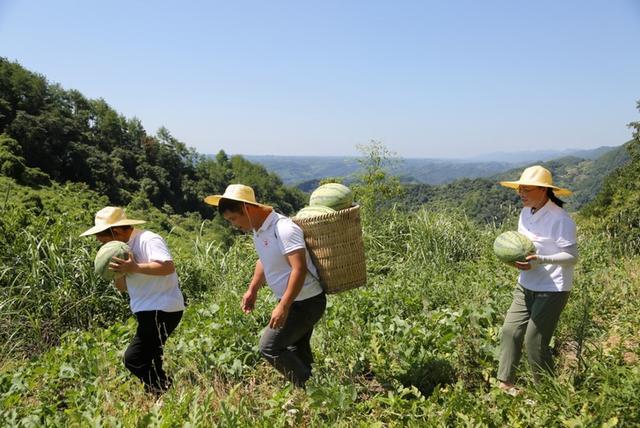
(618, 204)
(486, 201)
(47, 132)
(295, 170)
(419, 341)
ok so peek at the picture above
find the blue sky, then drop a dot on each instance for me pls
(427, 78)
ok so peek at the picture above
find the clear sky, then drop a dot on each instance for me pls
(427, 78)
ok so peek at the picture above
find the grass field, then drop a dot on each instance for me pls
(416, 347)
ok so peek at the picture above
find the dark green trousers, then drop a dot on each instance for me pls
(532, 319)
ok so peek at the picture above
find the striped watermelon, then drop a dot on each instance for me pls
(105, 254)
(332, 195)
(315, 211)
(513, 246)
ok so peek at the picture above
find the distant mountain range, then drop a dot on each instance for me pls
(306, 171)
(541, 155)
(484, 200)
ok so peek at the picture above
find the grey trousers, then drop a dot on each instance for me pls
(288, 349)
(532, 319)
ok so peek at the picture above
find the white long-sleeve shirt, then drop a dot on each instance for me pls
(553, 232)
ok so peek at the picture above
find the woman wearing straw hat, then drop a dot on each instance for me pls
(545, 278)
(155, 298)
(285, 265)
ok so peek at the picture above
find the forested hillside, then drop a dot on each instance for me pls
(416, 347)
(618, 203)
(305, 171)
(51, 133)
(484, 200)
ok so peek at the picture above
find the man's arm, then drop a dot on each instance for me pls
(297, 261)
(121, 283)
(152, 268)
(258, 279)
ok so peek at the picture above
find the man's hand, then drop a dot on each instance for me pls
(278, 316)
(248, 301)
(124, 266)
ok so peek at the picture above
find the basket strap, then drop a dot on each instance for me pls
(275, 232)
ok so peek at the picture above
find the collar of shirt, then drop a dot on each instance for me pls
(133, 235)
(535, 217)
(271, 219)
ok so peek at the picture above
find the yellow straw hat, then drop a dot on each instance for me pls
(536, 176)
(235, 192)
(110, 217)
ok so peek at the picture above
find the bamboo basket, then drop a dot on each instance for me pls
(335, 243)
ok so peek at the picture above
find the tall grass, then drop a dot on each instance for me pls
(47, 283)
(415, 347)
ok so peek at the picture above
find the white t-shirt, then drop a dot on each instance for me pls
(272, 252)
(152, 292)
(551, 230)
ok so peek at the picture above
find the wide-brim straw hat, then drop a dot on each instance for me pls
(235, 192)
(109, 217)
(537, 176)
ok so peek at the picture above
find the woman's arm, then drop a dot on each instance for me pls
(567, 257)
(563, 258)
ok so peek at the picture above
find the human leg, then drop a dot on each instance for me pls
(302, 348)
(287, 348)
(545, 313)
(512, 336)
(144, 355)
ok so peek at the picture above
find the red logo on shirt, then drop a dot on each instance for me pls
(266, 243)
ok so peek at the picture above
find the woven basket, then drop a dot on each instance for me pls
(335, 243)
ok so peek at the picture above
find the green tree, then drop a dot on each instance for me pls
(375, 188)
(618, 203)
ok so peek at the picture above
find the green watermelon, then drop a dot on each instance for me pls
(315, 211)
(332, 195)
(513, 246)
(105, 254)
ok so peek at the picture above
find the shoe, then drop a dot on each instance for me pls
(509, 389)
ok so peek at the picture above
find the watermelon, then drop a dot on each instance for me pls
(513, 246)
(105, 254)
(332, 195)
(315, 211)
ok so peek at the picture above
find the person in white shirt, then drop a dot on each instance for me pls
(150, 278)
(545, 278)
(285, 265)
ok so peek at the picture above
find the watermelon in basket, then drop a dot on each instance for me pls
(332, 195)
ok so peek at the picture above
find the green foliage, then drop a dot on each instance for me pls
(482, 199)
(47, 282)
(485, 201)
(416, 347)
(12, 164)
(618, 204)
(374, 186)
(48, 131)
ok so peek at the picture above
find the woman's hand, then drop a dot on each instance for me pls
(526, 265)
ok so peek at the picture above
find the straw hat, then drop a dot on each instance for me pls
(235, 192)
(110, 217)
(536, 176)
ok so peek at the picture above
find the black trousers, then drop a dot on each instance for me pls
(143, 357)
(288, 349)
